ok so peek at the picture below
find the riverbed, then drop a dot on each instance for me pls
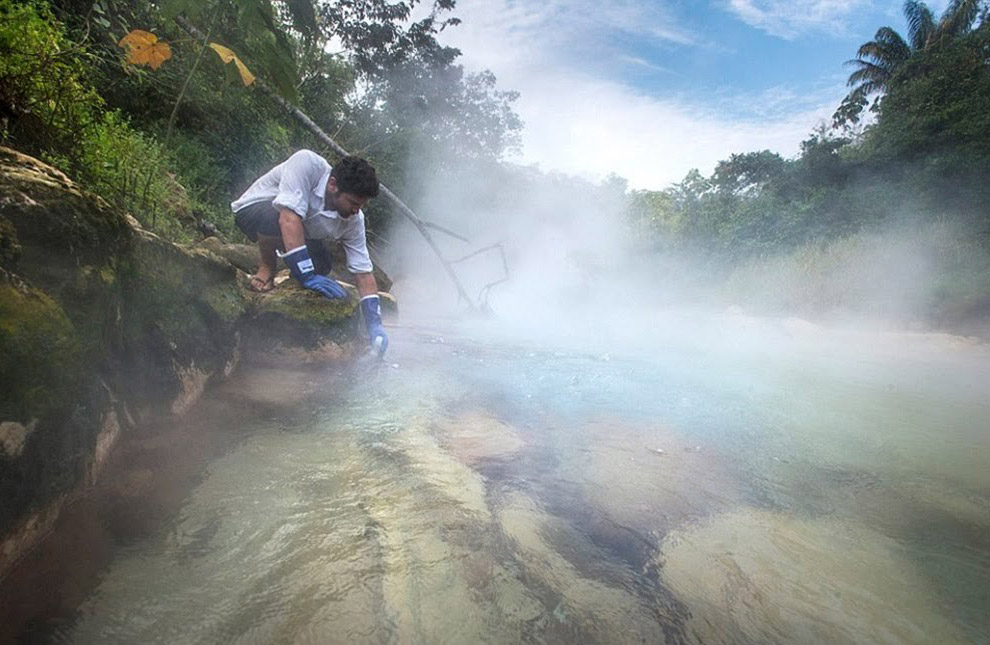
(814, 486)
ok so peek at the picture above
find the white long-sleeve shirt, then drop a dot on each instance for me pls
(299, 184)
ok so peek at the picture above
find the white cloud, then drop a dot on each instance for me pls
(643, 63)
(792, 18)
(495, 32)
(675, 35)
(583, 124)
(592, 128)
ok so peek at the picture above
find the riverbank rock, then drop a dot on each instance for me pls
(242, 256)
(106, 326)
(291, 325)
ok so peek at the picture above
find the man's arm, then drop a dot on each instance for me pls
(293, 234)
(296, 257)
(372, 311)
(366, 284)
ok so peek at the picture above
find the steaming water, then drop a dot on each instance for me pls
(471, 491)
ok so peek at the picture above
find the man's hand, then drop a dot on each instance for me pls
(324, 286)
(371, 308)
(301, 267)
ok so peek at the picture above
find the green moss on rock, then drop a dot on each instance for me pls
(40, 356)
(294, 303)
(183, 307)
(242, 256)
(292, 318)
(51, 212)
(10, 247)
(50, 393)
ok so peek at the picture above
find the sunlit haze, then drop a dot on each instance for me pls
(649, 90)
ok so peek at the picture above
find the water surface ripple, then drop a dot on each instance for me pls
(471, 491)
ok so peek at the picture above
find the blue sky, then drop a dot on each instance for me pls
(655, 88)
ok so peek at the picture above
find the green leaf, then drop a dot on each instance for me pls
(303, 17)
(192, 9)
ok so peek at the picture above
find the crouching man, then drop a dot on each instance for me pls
(301, 201)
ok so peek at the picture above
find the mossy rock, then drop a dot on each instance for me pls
(292, 302)
(183, 308)
(56, 221)
(390, 306)
(10, 246)
(293, 317)
(142, 307)
(243, 256)
(69, 244)
(50, 401)
(40, 357)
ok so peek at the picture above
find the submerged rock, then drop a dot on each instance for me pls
(476, 436)
(589, 609)
(757, 576)
(275, 387)
(654, 489)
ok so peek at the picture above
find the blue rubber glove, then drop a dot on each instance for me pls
(371, 308)
(301, 267)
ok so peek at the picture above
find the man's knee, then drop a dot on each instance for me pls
(255, 220)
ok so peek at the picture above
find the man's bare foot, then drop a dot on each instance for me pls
(263, 281)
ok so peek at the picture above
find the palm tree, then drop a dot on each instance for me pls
(877, 60)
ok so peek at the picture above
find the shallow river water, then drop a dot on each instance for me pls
(488, 491)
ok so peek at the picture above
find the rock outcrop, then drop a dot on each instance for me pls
(104, 325)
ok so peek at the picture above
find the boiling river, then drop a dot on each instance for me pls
(810, 486)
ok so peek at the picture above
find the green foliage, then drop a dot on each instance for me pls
(54, 112)
(221, 136)
(890, 222)
(654, 216)
(748, 173)
(438, 115)
(379, 35)
(936, 271)
(131, 170)
(879, 60)
(940, 102)
(255, 29)
(46, 105)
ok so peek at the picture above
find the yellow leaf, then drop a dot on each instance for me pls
(144, 48)
(227, 55)
(246, 74)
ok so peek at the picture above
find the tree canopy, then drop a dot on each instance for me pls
(372, 72)
(878, 60)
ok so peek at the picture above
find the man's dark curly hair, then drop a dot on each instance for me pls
(356, 176)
